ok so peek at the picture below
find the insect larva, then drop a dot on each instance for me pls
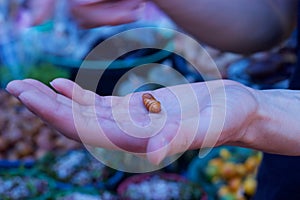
(151, 103)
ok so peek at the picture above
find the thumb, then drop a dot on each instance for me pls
(157, 149)
(41, 10)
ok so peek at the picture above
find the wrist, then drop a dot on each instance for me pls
(248, 134)
(274, 127)
(247, 118)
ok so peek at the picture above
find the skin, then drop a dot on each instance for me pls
(87, 13)
(243, 26)
(263, 120)
(98, 13)
(266, 111)
(242, 31)
(36, 12)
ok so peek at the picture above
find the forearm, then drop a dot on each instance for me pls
(238, 25)
(276, 127)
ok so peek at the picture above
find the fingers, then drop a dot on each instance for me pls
(35, 12)
(88, 13)
(41, 10)
(17, 87)
(78, 122)
(99, 13)
(84, 97)
(158, 148)
(177, 137)
(167, 142)
(42, 87)
(73, 91)
(52, 108)
(66, 113)
(86, 2)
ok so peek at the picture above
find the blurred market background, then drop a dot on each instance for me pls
(36, 162)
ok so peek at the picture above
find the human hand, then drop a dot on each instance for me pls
(88, 13)
(35, 12)
(187, 120)
(94, 13)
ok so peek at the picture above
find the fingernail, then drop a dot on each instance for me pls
(52, 84)
(55, 82)
(12, 87)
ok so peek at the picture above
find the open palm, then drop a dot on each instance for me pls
(192, 116)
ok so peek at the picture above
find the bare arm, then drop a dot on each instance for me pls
(221, 113)
(242, 26)
(275, 127)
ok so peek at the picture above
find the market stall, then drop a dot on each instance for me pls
(36, 162)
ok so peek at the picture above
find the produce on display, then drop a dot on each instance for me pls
(20, 186)
(159, 186)
(23, 136)
(227, 172)
(76, 168)
(59, 168)
(77, 195)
